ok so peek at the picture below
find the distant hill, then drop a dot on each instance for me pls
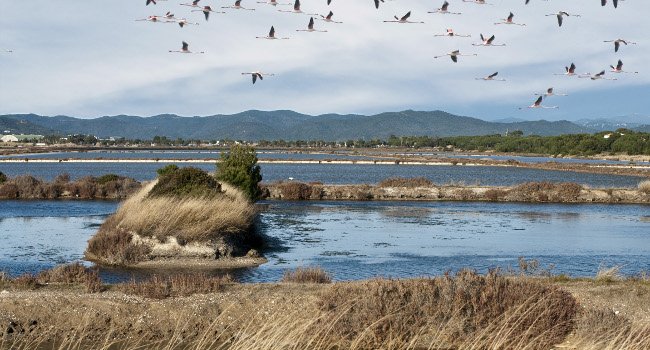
(10, 125)
(288, 125)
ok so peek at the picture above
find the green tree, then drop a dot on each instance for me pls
(167, 169)
(239, 168)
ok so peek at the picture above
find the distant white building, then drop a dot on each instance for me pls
(20, 138)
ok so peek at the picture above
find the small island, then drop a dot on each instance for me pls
(187, 218)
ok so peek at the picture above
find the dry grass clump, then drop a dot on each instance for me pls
(108, 186)
(406, 182)
(644, 187)
(545, 192)
(295, 191)
(306, 275)
(158, 287)
(187, 219)
(71, 274)
(495, 194)
(608, 274)
(465, 311)
(603, 329)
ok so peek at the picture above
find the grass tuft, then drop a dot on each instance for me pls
(608, 274)
(644, 187)
(306, 275)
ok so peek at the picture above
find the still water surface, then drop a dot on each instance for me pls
(337, 173)
(356, 240)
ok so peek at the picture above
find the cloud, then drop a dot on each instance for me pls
(92, 60)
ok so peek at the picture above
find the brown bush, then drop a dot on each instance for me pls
(74, 273)
(158, 287)
(26, 281)
(545, 191)
(495, 194)
(457, 309)
(465, 194)
(9, 190)
(295, 190)
(306, 275)
(644, 187)
(603, 329)
(406, 182)
(363, 193)
(113, 246)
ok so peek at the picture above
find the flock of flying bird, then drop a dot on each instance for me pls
(570, 71)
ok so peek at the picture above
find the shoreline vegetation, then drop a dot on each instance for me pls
(114, 187)
(67, 307)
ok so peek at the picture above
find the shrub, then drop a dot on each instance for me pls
(406, 182)
(74, 273)
(3, 177)
(113, 246)
(494, 194)
(168, 169)
(104, 179)
(186, 182)
(644, 186)
(158, 287)
(608, 274)
(295, 190)
(62, 178)
(26, 281)
(239, 168)
(307, 275)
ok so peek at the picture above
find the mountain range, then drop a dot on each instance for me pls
(256, 125)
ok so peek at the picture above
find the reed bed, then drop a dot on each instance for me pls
(179, 285)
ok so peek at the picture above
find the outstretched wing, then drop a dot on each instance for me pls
(493, 75)
(272, 32)
(406, 16)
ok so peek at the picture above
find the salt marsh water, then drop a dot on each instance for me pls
(356, 240)
(336, 173)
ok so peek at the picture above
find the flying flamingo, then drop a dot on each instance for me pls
(257, 74)
(598, 76)
(154, 19)
(206, 11)
(604, 2)
(185, 49)
(478, 2)
(237, 6)
(618, 42)
(273, 3)
(8, 51)
(560, 15)
(271, 35)
(194, 3)
(491, 77)
(538, 104)
(183, 22)
(310, 27)
(328, 18)
(619, 68)
(487, 42)
(444, 10)
(570, 71)
(550, 92)
(454, 55)
(509, 20)
(404, 19)
(296, 9)
(450, 33)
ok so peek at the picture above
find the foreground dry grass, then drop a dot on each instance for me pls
(142, 221)
(466, 311)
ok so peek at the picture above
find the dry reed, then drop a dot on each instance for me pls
(644, 187)
(158, 287)
(307, 275)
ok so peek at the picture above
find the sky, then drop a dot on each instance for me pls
(90, 58)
